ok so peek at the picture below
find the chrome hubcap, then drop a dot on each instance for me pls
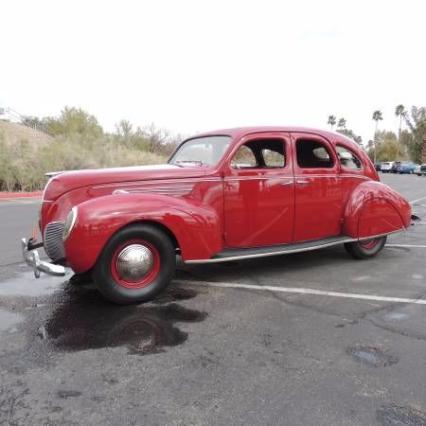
(134, 262)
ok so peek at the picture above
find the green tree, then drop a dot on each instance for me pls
(415, 137)
(387, 148)
(34, 122)
(124, 128)
(73, 121)
(350, 134)
(377, 116)
(341, 124)
(331, 121)
(400, 112)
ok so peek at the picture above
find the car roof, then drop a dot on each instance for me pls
(238, 132)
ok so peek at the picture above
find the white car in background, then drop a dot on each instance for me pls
(420, 169)
(386, 166)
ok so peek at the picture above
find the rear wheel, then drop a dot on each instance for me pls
(136, 264)
(366, 248)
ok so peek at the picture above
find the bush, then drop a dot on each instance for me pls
(76, 141)
(23, 165)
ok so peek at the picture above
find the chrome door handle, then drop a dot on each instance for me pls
(302, 181)
(289, 182)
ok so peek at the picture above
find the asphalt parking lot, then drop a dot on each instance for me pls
(307, 339)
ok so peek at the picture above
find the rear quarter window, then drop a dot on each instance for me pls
(348, 159)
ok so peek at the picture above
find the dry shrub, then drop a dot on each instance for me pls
(23, 165)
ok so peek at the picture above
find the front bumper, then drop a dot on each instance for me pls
(32, 258)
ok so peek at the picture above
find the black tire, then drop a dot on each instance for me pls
(81, 279)
(360, 249)
(111, 288)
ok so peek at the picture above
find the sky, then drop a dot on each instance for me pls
(191, 66)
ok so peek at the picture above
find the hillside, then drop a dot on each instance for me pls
(14, 132)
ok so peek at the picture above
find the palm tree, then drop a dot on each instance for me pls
(331, 121)
(341, 124)
(377, 116)
(400, 112)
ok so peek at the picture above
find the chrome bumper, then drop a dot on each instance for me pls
(32, 258)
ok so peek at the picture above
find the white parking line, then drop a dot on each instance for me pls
(406, 245)
(306, 291)
(418, 199)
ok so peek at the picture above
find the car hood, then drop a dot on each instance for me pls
(63, 182)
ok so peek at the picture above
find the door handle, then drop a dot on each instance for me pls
(302, 181)
(286, 183)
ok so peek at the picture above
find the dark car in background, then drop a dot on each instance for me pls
(395, 165)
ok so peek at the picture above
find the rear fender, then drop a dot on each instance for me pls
(375, 209)
(195, 226)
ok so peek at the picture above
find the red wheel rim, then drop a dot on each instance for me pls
(148, 278)
(369, 244)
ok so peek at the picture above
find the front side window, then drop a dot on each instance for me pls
(348, 159)
(313, 154)
(260, 153)
(204, 151)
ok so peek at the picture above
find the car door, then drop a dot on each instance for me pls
(259, 192)
(318, 192)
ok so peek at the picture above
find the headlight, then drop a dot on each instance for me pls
(69, 223)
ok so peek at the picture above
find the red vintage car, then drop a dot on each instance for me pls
(224, 195)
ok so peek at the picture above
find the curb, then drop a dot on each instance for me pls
(10, 196)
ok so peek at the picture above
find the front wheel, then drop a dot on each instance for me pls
(365, 249)
(135, 265)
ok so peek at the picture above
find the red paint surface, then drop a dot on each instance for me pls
(208, 209)
(259, 203)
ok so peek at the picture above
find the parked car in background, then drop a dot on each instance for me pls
(378, 167)
(395, 165)
(417, 170)
(223, 196)
(386, 166)
(420, 169)
(406, 167)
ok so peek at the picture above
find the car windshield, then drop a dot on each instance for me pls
(204, 151)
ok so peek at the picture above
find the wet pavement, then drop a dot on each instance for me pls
(207, 355)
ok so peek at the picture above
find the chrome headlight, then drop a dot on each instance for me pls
(69, 223)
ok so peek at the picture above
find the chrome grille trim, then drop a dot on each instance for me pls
(53, 244)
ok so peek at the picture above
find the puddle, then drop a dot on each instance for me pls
(26, 285)
(372, 356)
(9, 320)
(65, 394)
(362, 278)
(395, 316)
(394, 415)
(84, 320)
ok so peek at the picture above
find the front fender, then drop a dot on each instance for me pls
(196, 227)
(375, 209)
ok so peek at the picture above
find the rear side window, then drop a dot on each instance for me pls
(348, 159)
(313, 154)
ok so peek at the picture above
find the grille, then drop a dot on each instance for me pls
(53, 244)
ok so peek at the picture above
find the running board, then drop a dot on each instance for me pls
(251, 253)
